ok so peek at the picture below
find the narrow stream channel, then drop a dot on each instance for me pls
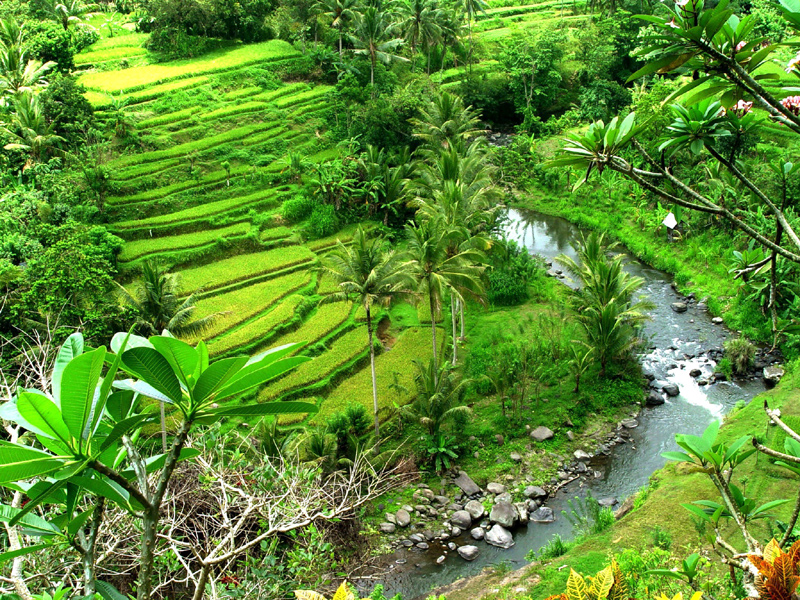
(678, 344)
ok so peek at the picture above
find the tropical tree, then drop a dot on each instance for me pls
(438, 270)
(439, 395)
(368, 274)
(419, 25)
(159, 307)
(446, 123)
(605, 300)
(84, 431)
(472, 8)
(29, 130)
(341, 13)
(70, 12)
(387, 179)
(18, 72)
(374, 37)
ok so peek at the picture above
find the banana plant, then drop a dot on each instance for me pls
(89, 422)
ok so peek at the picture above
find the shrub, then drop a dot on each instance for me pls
(322, 222)
(67, 109)
(297, 208)
(661, 538)
(49, 41)
(740, 352)
(553, 549)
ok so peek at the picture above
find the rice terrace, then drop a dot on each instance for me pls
(441, 299)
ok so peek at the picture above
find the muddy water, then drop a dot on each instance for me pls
(678, 343)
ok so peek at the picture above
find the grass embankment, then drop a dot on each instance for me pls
(659, 506)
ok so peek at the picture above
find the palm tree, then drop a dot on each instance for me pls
(374, 38)
(419, 23)
(605, 299)
(446, 123)
(71, 11)
(341, 12)
(368, 274)
(438, 270)
(387, 178)
(29, 130)
(18, 73)
(439, 395)
(472, 8)
(159, 307)
(450, 27)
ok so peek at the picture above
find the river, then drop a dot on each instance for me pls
(677, 344)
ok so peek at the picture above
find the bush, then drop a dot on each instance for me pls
(322, 222)
(67, 109)
(173, 43)
(740, 352)
(49, 41)
(83, 37)
(297, 208)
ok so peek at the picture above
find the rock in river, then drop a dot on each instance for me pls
(461, 518)
(468, 552)
(475, 509)
(679, 307)
(629, 423)
(671, 389)
(654, 399)
(543, 514)
(542, 433)
(504, 514)
(500, 537)
(478, 533)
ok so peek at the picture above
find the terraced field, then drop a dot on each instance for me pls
(202, 188)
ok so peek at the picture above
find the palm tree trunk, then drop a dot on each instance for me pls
(455, 339)
(433, 327)
(461, 308)
(374, 380)
(340, 42)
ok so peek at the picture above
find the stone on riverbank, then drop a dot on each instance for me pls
(461, 519)
(496, 488)
(475, 509)
(465, 483)
(402, 518)
(504, 514)
(542, 433)
(468, 552)
(534, 491)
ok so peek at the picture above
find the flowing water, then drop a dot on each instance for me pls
(678, 343)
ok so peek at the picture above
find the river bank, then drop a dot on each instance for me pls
(680, 356)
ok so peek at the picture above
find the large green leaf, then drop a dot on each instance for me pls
(121, 428)
(181, 357)
(73, 346)
(259, 376)
(32, 523)
(78, 389)
(108, 591)
(267, 408)
(151, 367)
(120, 404)
(154, 463)
(12, 554)
(105, 488)
(125, 341)
(42, 413)
(23, 462)
(216, 376)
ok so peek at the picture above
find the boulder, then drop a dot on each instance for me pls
(504, 497)
(695, 373)
(496, 488)
(442, 500)
(607, 502)
(629, 423)
(671, 389)
(570, 436)
(679, 307)
(468, 552)
(390, 518)
(543, 514)
(581, 455)
(717, 320)
(465, 483)
(522, 512)
(387, 528)
(475, 509)
(477, 533)
(416, 538)
(402, 518)
(625, 508)
(504, 513)
(654, 398)
(461, 519)
(772, 375)
(455, 532)
(425, 493)
(499, 439)
(534, 491)
(499, 536)
(542, 433)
